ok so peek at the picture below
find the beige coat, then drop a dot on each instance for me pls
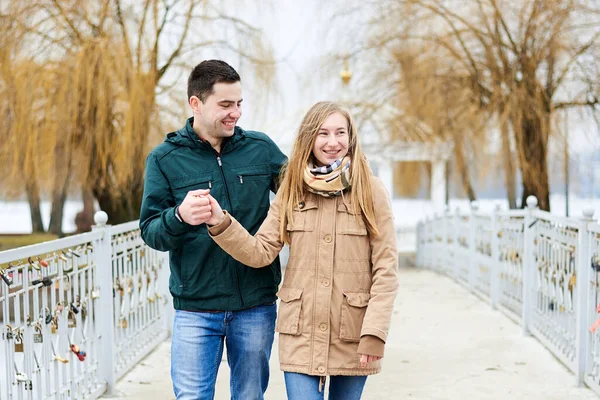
(339, 285)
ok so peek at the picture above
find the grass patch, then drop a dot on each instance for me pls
(13, 241)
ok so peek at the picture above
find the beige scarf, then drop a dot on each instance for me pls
(329, 181)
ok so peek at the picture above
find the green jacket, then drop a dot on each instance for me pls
(203, 276)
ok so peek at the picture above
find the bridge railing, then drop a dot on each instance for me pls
(540, 270)
(77, 313)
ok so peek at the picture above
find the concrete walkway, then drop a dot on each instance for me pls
(445, 343)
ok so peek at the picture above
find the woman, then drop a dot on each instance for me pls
(340, 282)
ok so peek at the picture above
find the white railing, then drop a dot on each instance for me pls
(540, 270)
(78, 313)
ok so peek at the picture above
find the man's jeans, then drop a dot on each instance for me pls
(197, 349)
(306, 387)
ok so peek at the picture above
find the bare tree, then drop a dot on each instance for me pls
(112, 66)
(519, 61)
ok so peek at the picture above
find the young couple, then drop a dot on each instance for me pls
(206, 201)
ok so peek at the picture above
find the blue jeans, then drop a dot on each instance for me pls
(197, 350)
(306, 387)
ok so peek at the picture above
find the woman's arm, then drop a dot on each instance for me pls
(384, 260)
(254, 251)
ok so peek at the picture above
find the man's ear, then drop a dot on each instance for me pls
(195, 104)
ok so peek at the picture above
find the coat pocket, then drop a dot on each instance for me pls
(290, 308)
(354, 308)
(348, 222)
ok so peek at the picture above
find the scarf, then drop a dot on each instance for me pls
(330, 180)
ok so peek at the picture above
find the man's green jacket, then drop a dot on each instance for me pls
(204, 277)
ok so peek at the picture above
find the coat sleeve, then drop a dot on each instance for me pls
(384, 259)
(160, 229)
(254, 251)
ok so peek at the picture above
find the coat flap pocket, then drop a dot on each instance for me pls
(287, 294)
(307, 204)
(347, 207)
(191, 180)
(357, 299)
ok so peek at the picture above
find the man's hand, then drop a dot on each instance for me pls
(365, 359)
(217, 214)
(195, 208)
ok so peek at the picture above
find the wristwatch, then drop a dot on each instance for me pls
(177, 215)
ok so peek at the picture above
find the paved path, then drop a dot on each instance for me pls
(445, 343)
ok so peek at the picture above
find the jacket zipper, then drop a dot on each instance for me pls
(237, 278)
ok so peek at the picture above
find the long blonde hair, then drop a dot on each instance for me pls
(292, 176)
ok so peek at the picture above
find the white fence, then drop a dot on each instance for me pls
(78, 313)
(539, 269)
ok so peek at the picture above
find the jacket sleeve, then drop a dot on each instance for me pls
(278, 159)
(254, 251)
(384, 259)
(161, 230)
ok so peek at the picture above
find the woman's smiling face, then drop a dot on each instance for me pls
(332, 140)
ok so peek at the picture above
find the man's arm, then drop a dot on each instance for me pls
(278, 159)
(161, 229)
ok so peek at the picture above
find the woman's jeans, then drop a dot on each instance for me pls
(306, 387)
(197, 350)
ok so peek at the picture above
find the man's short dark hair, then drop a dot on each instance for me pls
(206, 74)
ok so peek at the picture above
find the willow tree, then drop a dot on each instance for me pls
(518, 61)
(115, 68)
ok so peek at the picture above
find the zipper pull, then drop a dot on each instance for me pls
(241, 179)
(210, 184)
(219, 161)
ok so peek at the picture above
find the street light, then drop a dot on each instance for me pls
(345, 74)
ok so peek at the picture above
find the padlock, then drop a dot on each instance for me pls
(74, 308)
(72, 319)
(81, 357)
(84, 310)
(95, 294)
(53, 327)
(5, 278)
(37, 335)
(43, 262)
(75, 348)
(48, 318)
(19, 343)
(34, 264)
(45, 281)
(124, 323)
(21, 377)
(60, 359)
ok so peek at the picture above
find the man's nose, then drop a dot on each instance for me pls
(236, 113)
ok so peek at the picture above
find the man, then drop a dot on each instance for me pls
(216, 298)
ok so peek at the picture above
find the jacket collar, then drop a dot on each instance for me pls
(188, 138)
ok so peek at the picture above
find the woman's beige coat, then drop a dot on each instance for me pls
(339, 284)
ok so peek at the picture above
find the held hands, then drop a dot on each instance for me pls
(199, 207)
(365, 359)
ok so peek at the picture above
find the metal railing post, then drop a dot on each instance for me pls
(582, 287)
(495, 267)
(105, 320)
(528, 261)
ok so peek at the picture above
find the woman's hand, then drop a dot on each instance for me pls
(365, 359)
(217, 216)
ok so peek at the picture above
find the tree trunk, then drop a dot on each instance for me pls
(462, 168)
(534, 165)
(62, 176)
(33, 198)
(509, 168)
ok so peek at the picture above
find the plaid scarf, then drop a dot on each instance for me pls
(330, 180)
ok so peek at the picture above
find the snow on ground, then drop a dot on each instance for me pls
(14, 216)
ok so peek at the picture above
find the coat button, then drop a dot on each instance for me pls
(321, 369)
(327, 238)
(301, 205)
(326, 282)
(323, 327)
